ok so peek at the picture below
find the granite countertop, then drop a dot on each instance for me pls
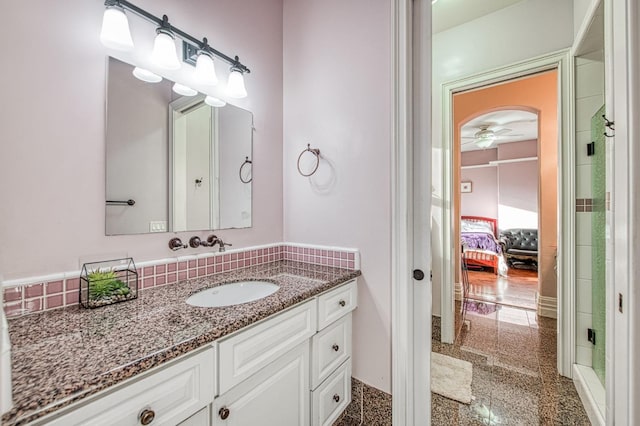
(64, 355)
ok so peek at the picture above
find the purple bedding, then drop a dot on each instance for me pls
(480, 240)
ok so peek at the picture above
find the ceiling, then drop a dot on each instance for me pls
(451, 13)
(521, 126)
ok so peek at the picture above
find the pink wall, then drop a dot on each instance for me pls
(337, 96)
(483, 200)
(52, 158)
(508, 192)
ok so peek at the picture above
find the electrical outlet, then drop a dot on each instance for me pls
(158, 226)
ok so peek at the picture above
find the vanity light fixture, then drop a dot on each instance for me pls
(205, 68)
(183, 90)
(214, 102)
(146, 75)
(164, 53)
(115, 33)
(235, 85)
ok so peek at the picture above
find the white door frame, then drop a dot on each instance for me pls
(410, 192)
(566, 194)
(622, 38)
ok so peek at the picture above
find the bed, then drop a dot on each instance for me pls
(479, 237)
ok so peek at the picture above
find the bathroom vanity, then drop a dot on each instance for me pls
(282, 360)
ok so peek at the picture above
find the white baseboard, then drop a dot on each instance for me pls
(591, 393)
(547, 306)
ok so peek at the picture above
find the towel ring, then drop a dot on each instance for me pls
(315, 152)
(249, 162)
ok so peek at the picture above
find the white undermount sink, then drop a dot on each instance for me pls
(232, 294)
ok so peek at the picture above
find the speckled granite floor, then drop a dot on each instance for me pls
(513, 353)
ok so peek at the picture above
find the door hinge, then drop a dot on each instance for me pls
(591, 335)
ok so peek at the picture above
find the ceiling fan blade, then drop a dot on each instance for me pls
(501, 131)
(530, 120)
(514, 135)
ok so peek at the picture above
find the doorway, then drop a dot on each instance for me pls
(499, 206)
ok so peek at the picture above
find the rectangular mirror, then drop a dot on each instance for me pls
(173, 163)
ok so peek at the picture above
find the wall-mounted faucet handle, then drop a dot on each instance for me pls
(212, 240)
(176, 244)
(195, 242)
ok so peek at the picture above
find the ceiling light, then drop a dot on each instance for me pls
(484, 143)
(115, 33)
(433, 1)
(183, 90)
(205, 68)
(146, 75)
(164, 52)
(214, 102)
(235, 85)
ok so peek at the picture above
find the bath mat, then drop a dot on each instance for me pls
(451, 377)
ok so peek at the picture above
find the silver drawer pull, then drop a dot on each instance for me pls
(224, 413)
(342, 303)
(147, 416)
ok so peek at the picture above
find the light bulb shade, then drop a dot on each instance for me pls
(146, 75)
(484, 143)
(164, 53)
(214, 102)
(205, 70)
(115, 33)
(183, 90)
(235, 85)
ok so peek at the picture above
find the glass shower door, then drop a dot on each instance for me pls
(598, 223)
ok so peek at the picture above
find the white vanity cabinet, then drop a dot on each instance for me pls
(290, 369)
(298, 365)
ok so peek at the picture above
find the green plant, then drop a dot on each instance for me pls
(104, 284)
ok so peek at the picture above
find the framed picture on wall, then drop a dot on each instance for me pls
(465, 187)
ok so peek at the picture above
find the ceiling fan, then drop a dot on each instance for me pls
(486, 136)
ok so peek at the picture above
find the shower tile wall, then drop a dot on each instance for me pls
(589, 98)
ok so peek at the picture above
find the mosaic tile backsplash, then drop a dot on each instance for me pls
(59, 290)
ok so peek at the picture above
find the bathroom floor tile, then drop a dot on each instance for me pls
(515, 379)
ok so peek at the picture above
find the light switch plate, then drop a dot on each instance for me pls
(158, 226)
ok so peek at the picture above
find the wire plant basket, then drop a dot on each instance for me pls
(108, 282)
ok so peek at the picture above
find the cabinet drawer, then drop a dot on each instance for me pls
(332, 396)
(173, 394)
(330, 348)
(337, 303)
(247, 352)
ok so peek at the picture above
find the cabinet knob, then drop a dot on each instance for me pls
(336, 398)
(336, 348)
(224, 413)
(147, 416)
(342, 303)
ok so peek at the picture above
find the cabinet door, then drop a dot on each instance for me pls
(277, 395)
(201, 418)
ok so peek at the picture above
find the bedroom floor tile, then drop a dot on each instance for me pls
(515, 381)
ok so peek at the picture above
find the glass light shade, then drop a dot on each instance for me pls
(146, 75)
(214, 102)
(164, 52)
(115, 33)
(485, 143)
(183, 90)
(205, 70)
(235, 85)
